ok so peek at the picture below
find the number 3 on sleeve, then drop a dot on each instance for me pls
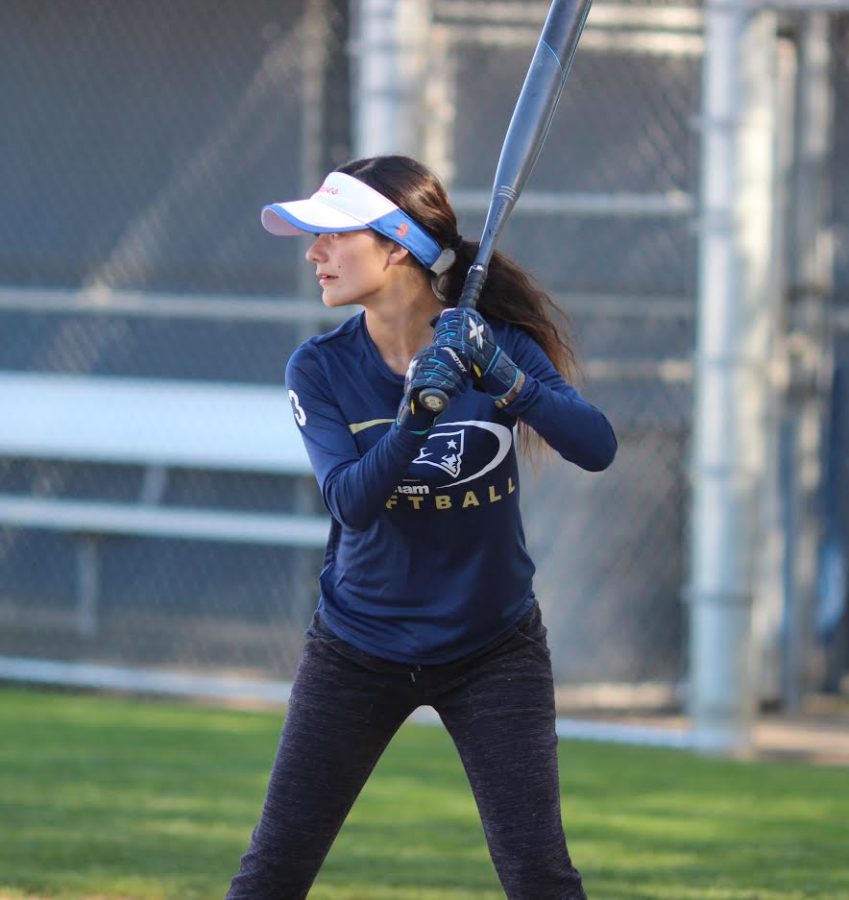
(297, 409)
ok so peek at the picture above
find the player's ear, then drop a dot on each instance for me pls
(397, 253)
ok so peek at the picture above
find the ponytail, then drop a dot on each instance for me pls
(509, 292)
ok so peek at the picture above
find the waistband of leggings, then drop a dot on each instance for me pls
(320, 630)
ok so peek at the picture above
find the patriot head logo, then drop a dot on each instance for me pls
(444, 450)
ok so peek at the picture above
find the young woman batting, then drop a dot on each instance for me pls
(426, 595)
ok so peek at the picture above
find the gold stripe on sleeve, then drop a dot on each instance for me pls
(356, 427)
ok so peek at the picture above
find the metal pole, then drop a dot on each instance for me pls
(810, 352)
(804, 6)
(392, 55)
(88, 585)
(731, 354)
(769, 582)
(440, 110)
(313, 64)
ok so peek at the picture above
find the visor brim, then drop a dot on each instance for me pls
(307, 217)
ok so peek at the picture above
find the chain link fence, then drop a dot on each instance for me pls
(142, 139)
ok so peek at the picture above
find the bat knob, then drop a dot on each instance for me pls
(433, 399)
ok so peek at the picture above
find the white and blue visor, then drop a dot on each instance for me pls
(344, 203)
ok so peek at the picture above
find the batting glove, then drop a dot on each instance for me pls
(467, 333)
(433, 367)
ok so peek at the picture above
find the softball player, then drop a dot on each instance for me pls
(426, 595)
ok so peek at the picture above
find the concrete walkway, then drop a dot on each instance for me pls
(818, 733)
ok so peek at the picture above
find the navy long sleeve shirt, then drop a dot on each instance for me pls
(426, 559)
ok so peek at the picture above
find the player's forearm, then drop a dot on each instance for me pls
(571, 425)
(356, 493)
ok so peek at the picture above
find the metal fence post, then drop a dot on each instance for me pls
(732, 346)
(810, 354)
(391, 62)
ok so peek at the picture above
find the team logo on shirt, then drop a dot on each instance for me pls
(445, 445)
(443, 450)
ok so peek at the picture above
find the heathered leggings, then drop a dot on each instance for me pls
(498, 706)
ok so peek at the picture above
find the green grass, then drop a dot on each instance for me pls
(113, 798)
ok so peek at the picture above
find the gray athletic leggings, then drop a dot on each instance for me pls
(498, 706)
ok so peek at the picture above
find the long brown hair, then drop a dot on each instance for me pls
(509, 293)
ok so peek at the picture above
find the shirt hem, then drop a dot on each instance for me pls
(379, 653)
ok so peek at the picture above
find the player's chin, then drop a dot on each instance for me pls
(332, 298)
